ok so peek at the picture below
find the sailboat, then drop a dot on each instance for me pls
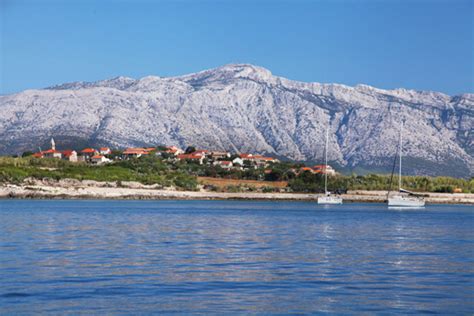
(328, 198)
(404, 198)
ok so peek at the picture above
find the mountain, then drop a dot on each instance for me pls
(241, 107)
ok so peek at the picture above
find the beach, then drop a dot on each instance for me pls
(86, 189)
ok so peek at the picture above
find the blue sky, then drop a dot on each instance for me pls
(423, 45)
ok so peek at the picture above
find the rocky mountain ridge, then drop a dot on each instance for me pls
(244, 108)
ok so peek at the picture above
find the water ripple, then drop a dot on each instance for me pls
(221, 257)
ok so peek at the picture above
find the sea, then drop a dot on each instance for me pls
(69, 257)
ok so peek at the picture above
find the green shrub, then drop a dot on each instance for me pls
(444, 189)
(153, 170)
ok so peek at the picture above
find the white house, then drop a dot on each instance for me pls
(52, 153)
(223, 164)
(324, 169)
(134, 153)
(105, 151)
(174, 150)
(70, 155)
(219, 155)
(99, 159)
(238, 161)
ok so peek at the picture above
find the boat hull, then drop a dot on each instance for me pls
(329, 200)
(406, 201)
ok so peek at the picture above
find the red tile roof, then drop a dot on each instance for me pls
(188, 156)
(135, 151)
(246, 156)
(97, 157)
(67, 153)
(200, 152)
(51, 151)
(88, 151)
(219, 153)
(267, 158)
(322, 167)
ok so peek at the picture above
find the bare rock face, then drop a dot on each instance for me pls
(241, 107)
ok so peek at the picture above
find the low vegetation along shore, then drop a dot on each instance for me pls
(89, 189)
(153, 177)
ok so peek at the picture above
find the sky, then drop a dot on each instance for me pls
(419, 44)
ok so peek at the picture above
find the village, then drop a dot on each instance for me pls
(222, 159)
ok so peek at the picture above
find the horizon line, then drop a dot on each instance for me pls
(51, 87)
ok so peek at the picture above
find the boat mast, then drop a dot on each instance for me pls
(326, 163)
(400, 155)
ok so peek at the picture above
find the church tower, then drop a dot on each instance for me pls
(53, 144)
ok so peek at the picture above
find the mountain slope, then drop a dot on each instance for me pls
(245, 108)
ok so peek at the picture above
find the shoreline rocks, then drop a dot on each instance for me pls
(75, 189)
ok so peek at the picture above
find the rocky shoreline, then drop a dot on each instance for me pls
(75, 189)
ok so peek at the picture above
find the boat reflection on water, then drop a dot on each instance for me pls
(329, 199)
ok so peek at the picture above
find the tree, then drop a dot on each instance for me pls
(115, 154)
(166, 155)
(27, 153)
(307, 182)
(190, 149)
(274, 175)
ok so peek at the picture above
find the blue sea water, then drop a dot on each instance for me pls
(229, 257)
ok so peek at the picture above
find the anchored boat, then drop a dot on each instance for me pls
(328, 198)
(403, 198)
(410, 199)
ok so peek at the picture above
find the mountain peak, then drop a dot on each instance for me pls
(247, 71)
(229, 72)
(245, 108)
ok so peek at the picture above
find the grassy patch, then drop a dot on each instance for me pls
(146, 171)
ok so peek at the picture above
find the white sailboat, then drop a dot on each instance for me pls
(404, 198)
(328, 198)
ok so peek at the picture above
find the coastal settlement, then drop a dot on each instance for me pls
(223, 159)
(163, 168)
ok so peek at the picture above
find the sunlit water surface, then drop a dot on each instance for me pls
(137, 257)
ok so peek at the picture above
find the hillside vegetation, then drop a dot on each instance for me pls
(146, 171)
(183, 176)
